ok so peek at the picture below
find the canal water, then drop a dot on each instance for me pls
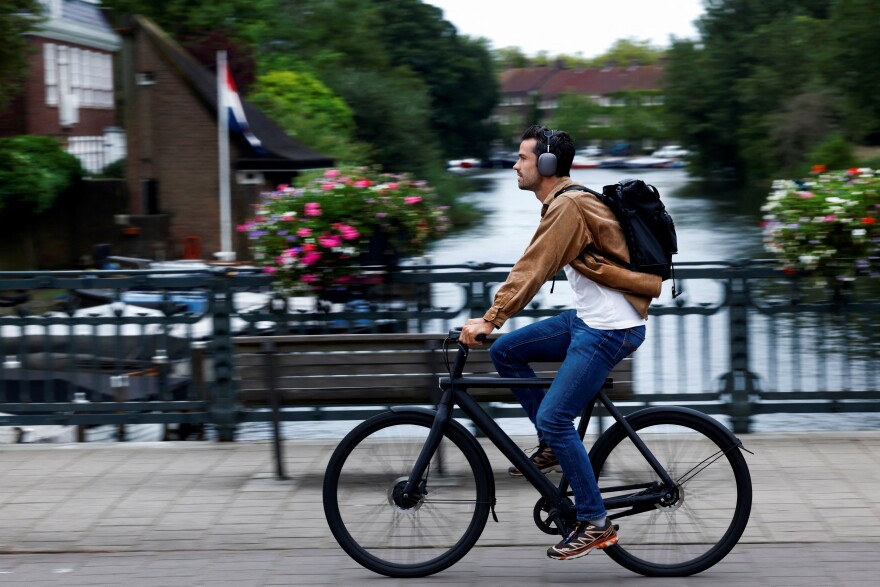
(709, 228)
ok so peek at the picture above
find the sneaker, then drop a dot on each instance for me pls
(543, 458)
(582, 539)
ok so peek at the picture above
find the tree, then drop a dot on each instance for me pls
(725, 90)
(392, 115)
(629, 51)
(457, 71)
(850, 62)
(307, 109)
(578, 115)
(17, 17)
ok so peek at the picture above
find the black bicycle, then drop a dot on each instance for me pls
(407, 493)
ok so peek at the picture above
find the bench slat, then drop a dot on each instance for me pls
(370, 369)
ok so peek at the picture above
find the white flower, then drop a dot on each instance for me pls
(859, 232)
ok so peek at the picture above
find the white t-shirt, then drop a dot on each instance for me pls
(601, 307)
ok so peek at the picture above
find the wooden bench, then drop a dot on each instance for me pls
(365, 370)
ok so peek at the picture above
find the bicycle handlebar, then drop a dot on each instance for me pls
(454, 333)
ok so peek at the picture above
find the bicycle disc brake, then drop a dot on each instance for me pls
(547, 518)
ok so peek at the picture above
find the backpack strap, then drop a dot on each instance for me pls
(593, 251)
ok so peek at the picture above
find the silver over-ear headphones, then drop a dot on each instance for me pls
(547, 161)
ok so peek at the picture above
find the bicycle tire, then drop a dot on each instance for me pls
(371, 461)
(713, 507)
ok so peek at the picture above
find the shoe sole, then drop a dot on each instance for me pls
(610, 541)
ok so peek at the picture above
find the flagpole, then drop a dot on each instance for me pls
(226, 251)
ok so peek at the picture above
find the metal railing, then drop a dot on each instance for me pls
(122, 347)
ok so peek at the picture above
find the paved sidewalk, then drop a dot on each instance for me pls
(160, 501)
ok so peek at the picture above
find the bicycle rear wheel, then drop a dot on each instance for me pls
(708, 515)
(365, 477)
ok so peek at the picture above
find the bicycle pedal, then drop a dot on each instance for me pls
(616, 527)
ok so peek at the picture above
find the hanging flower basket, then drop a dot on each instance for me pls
(826, 224)
(312, 237)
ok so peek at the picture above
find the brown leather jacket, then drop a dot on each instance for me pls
(569, 222)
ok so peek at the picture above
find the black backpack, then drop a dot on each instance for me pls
(647, 226)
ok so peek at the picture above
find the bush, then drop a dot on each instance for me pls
(311, 237)
(33, 172)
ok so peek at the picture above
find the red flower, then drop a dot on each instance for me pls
(869, 220)
(852, 171)
(818, 169)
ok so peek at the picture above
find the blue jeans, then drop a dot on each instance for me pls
(588, 355)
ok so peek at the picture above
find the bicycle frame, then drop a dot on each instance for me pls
(455, 388)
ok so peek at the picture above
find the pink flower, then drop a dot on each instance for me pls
(269, 269)
(393, 185)
(363, 183)
(313, 209)
(806, 195)
(328, 186)
(311, 258)
(412, 199)
(308, 278)
(304, 232)
(829, 218)
(329, 241)
(331, 173)
(348, 233)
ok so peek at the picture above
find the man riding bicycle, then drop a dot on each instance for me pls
(608, 322)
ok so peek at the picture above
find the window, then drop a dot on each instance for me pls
(50, 66)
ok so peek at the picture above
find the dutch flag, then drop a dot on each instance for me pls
(237, 119)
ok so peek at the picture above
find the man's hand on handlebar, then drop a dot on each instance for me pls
(472, 329)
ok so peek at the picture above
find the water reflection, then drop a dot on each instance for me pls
(711, 226)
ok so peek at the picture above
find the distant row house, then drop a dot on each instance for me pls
(533, 94)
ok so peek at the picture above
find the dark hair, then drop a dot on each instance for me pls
(561, 145)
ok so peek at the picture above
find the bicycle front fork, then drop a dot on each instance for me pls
(414, 488)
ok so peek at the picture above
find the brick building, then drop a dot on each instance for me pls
(173, 166)
(69, 90)
(533, 93)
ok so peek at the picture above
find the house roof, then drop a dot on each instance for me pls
(525, 79)
(603, 81)
(282, 152)
(80, 22)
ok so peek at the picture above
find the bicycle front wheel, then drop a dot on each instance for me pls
(362, 488)
(709, 510)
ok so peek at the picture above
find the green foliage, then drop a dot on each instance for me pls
(33, 172)
(115, 170)
(249, 21)
(848, 62)
(577, 113)
(391, 115)
(769, 79)
(305, 108)
(835, 152)
(16, 17)
(457, 71)
(309, 236)
(635, 120)
(629, 51)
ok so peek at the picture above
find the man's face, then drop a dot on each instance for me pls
(526, 167)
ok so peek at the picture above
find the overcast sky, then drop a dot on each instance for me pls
(571, 26)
